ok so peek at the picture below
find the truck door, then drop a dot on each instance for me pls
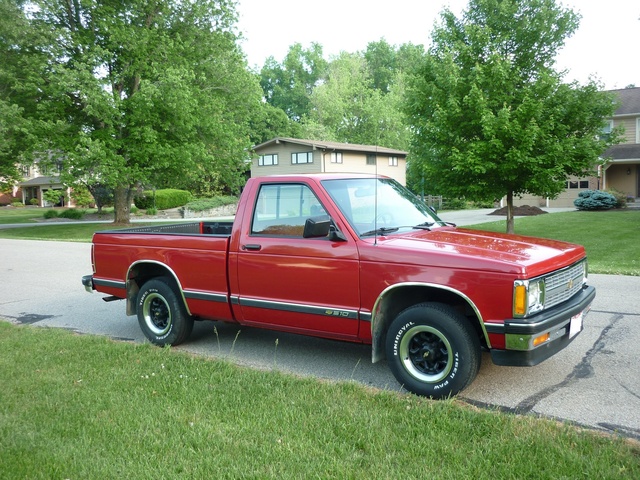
(303, 285)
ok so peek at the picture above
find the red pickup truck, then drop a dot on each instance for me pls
(356, 258)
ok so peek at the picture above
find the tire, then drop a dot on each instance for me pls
(432, 350)
(161, 313)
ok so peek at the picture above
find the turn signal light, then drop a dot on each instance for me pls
(520, 301)
(541, 339)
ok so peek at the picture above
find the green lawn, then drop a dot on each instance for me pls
(70, 232)
(20, 215)
(611, 238)
(77, 406)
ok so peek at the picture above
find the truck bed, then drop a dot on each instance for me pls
(193, 228)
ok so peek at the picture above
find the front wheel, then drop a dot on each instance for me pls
(432, 350)
(161, 313)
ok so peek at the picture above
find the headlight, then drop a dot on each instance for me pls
(528, 297)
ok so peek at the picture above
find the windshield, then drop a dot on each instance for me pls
(396, 209)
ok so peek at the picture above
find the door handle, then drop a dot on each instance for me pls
(251, 246)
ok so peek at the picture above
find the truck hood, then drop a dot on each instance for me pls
(475, 249)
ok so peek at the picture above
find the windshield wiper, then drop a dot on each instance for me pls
(380, 231)
(383, 230)
(424, 226)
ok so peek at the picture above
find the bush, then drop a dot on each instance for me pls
(454, 204)
(164, 199)
(595, 200)
(50, 214)
(202, 204)
(621, 198)
(72, 213)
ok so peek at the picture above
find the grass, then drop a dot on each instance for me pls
(20, 215)
(609, 237)
(74, 406)
(70, 232)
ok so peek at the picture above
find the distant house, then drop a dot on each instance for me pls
(37, 181)
(292, 155)
(622, 169)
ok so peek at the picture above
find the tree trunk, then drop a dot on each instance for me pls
(510, 222)
(122, 199)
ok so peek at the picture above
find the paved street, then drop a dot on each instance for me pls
(594, 382)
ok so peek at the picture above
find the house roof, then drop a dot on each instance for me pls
(324, 145)
(625, 151)
(37, 181)
(629, 101)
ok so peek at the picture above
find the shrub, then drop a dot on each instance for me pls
(454, 204)
(82, 196)
(621, 198)
(72, 213)
(50, 214)
(164, 199)
(202, 204)
(595, 200)
(33, 201)
(18, 203)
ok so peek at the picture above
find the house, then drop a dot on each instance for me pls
(620, 172)
(292, 155)
(36, 182)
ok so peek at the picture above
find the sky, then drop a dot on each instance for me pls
(606, 46)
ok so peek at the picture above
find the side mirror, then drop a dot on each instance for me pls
(316, 227)
(319, 227)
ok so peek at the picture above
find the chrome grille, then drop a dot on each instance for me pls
(563, 284)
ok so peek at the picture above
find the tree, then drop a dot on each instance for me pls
(288, 85)
(141, 92)
(490, 115)
(348, 106)
(15, 100)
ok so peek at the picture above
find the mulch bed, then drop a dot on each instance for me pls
(522, 211)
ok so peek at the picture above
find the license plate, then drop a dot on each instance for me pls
(575, 326)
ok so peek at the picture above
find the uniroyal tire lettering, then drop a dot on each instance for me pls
(399, 335)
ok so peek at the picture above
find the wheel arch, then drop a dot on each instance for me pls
(143, 270)
(395, 298)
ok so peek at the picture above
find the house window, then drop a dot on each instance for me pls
(578, 184)
(266, 160)
(393, 161)
(304, 157)
(371, 159)
(336, 157)
(606, 129)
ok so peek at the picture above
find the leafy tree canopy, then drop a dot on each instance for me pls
(288, 85)
(490, 115)
(140, 93)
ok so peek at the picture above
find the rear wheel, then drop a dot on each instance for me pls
(161, 313)
(432, 350)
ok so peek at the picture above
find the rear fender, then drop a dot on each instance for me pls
(141, 271)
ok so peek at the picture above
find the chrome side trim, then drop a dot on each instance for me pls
(210, 297)
(378, 322)
(108, 283)
(299, 308)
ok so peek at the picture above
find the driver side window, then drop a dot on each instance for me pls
(282, 210)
